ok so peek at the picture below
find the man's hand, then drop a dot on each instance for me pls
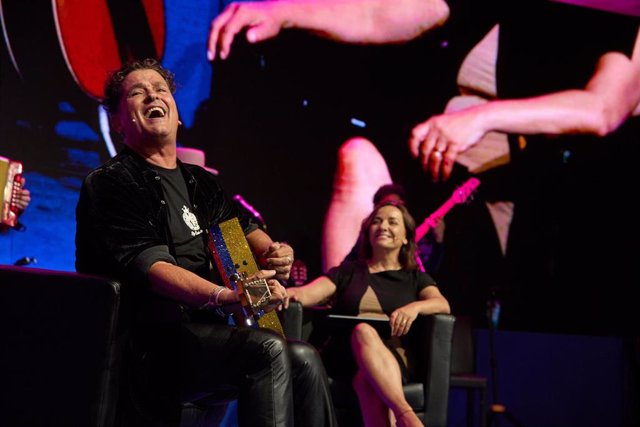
(263, 20)
(279, 257)
(438, 141)
(279, 297)
(279, 294)
(23, 196)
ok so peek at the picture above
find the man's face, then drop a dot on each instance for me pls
(147, 110)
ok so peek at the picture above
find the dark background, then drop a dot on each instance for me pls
(271, 118)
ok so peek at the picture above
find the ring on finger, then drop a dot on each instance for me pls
(437, 154)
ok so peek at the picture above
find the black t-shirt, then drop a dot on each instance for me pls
(186, 231)
(561, 185)
(546, 46)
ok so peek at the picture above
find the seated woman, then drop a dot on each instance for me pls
(384, 282)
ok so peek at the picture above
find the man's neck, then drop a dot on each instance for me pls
(158, 154)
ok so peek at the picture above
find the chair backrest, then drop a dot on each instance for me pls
(60, 348)
(438, 341)
(463, 347)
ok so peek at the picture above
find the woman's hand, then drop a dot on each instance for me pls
(402, 319)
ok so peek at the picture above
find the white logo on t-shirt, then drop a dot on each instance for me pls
(190, 219)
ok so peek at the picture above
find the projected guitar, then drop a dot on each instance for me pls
(460, 195)
(47, 40)
(236, 264)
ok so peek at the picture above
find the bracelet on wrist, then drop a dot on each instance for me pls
(214, 298)
(218, 293)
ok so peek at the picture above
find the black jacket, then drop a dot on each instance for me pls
(121, 218)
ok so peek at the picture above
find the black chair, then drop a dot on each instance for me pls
(428, 397)
(63, 356)
(60, 357)
(463, 370)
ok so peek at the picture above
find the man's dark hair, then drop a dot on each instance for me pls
(113, 86)
(387, 189)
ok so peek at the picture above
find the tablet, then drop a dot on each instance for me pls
(342, 323)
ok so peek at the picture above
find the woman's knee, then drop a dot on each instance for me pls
(354, 149)
(359, 161)
(364, 334)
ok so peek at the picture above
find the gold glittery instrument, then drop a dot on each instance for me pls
(10, 184)
(236, 264)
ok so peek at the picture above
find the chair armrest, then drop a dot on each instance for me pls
(303, 323)
(438, 330)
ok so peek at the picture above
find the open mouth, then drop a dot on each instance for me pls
(383, 235)
(155, 113)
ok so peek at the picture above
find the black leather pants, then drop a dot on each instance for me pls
(313, 406)
(276, 381)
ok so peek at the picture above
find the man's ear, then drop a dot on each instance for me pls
(115, 123)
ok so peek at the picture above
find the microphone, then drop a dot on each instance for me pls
(26, 261)
(238, 198)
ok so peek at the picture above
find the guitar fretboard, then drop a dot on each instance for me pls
(460, 195)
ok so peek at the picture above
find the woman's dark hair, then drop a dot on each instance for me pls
(113, 86)
(407, 256)
(388, 189)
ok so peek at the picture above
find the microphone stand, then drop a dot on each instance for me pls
(496, 409)
(242, 202)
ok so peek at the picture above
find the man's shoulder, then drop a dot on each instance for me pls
(117, 167)
(199, 171)
(202, 176)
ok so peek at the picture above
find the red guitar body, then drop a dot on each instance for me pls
(85, 39)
